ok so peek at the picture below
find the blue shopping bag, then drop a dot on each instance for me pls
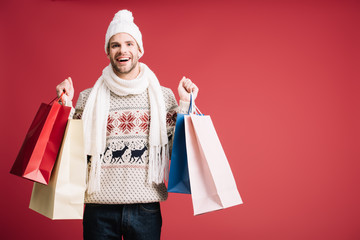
(179, 181)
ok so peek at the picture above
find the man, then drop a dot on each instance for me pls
(128, 124)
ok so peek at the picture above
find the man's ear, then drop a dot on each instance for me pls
(108, 53)
(139, 53)
(108, 50)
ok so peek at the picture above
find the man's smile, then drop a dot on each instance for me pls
(122, 59)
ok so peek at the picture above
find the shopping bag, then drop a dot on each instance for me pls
(212, 183)
(39, 150)
(179, 181)
(179, 175)
(63, 197)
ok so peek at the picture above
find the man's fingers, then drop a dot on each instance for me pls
(189, 86)
(186, 86)
(194, 89)
(59, 90)
(181, 83)
(186, 83)
(70, 81)
(64, 99)
(65, 86)
(68, 85)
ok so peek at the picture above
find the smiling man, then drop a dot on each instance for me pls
(124, 53)
(129, 121)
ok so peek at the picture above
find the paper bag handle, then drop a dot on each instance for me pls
(58, 98)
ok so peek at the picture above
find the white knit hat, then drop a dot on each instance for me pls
(123, 22)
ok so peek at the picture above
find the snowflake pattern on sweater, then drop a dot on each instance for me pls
(124, 167)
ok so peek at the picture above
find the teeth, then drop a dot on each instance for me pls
(123, 59)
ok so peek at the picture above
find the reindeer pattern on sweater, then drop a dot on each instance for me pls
(125, 160)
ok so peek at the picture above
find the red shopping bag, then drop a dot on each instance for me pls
(39, 150)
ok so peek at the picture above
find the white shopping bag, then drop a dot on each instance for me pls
(212, 183)
(63, 197)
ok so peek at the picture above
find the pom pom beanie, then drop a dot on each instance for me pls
(123, 22)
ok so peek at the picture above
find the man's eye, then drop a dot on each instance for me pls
(115, 45)
(130, 44)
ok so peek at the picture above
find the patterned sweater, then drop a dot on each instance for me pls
(125, 164)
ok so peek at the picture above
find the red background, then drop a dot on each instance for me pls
(279, 78)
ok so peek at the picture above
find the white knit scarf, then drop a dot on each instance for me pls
(96, 113)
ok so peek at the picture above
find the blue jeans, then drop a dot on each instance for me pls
(131, 221)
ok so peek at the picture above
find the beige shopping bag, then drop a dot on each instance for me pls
(212, 183)
(63, 197)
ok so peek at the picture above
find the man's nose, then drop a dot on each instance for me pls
(123, 49)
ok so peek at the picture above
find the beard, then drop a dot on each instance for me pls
(123, 70)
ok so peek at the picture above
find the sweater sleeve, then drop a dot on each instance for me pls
(172, 108)
(81, 102)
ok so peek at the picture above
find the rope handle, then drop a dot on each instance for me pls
(193, 109)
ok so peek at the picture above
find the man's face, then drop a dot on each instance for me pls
(124, 54)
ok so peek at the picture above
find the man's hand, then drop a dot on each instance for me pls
(186, 86)
(66, 87)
